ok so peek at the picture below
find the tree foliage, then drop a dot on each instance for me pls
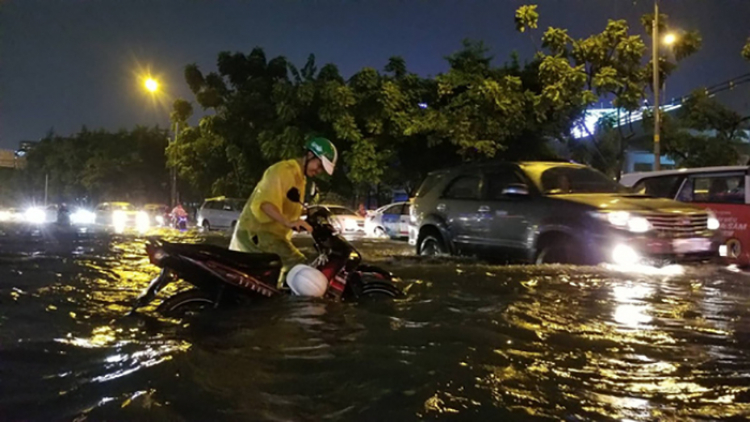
(99, 165)
(703, 133)
(390, 125)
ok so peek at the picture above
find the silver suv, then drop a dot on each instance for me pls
(547, 212)
(220, 213)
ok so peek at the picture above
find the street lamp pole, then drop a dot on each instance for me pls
(153, 86)
(655, 60)
(173, 170)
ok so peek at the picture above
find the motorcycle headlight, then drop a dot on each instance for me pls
(713, 222)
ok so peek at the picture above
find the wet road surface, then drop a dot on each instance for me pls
(470, 342)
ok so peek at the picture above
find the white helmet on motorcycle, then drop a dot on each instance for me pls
(305, 280)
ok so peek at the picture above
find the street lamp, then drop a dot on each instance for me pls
(152, 85)
(669, 39)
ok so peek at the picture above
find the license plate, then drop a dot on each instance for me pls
(691, 245)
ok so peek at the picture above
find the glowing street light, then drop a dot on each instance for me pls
(670, 39)
(151, 84)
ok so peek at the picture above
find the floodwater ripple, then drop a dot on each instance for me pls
(470, 342)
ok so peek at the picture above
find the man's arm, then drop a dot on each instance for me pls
(272, 211)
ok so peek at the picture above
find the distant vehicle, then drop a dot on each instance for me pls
(158, 214)
(11, 215)
(121, 215)
(391, 221)
(344, 219)
(220, 213)
(725, 191)
(546, 212)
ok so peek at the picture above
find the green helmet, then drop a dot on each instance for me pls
(325, 150)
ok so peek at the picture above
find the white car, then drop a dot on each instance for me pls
(121, 215)
(220, 212)
(346, 221)
(391, 221)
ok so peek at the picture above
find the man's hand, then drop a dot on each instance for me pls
(299, 225)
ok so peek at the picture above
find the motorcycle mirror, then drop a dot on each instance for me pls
(293, 195)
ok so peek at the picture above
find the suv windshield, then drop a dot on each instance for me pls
(571, 180)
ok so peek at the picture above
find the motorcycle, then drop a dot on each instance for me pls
(63, 216)
(180, 222)
(224, 277)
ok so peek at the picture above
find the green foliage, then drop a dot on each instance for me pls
(526, 17)
(746, 50)
(703, 133)
(100, 165)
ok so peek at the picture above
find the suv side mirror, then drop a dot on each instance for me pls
(516, 189)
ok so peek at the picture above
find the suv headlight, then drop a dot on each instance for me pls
(713, 222)
(624, 220)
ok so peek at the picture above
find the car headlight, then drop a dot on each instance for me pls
(82, 217)
(35, 216)
(142, 221)
(713, 222)
(4, 215)
(624, 220)
(119, 218)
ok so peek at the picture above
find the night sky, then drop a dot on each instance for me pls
(68, 63)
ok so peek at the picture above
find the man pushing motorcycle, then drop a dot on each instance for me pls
(269, 216)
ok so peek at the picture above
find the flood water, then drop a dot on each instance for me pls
(470, 342)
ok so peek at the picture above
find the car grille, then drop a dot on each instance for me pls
(679, 225)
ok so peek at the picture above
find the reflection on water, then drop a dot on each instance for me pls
(471, 342)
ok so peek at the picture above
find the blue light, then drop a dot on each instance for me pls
(422, 105)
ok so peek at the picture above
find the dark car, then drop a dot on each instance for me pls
(548, 212)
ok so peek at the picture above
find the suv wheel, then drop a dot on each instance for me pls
(558, 251)
(206, 225)
(432, 246)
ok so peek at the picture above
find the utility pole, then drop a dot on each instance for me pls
(657, 111)
(173, 171)
(46, 187)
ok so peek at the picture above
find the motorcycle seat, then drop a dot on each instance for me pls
(240, 260)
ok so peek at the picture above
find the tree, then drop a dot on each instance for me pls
(99, 165)
(703, 133)
(609, 64)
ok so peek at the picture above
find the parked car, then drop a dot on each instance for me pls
(547, 212)
(346, 220)
(722, 190)
(391, 221)
(121, 215)
(220, 212)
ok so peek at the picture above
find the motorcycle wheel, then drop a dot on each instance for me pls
(186, 303)
(378, 289)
